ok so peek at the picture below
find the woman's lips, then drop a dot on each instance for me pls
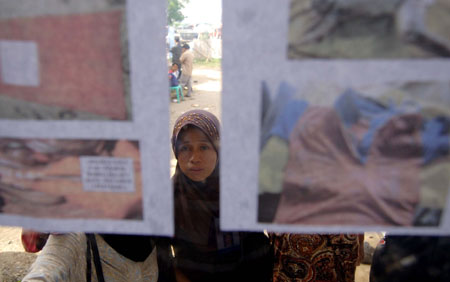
(196, 169)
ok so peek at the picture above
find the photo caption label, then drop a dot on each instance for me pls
(107, 174)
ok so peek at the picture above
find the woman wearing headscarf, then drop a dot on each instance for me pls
(200, 251)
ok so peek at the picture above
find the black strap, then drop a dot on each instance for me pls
(88, 261)
(92, 244)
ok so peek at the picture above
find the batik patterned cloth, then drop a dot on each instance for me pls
(303, 258)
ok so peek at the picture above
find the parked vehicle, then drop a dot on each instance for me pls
(186, 32)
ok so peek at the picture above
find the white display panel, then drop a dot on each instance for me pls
(266, 82)
(112, 108)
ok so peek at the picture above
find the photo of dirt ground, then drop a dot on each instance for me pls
(54, 66)
(369, 29)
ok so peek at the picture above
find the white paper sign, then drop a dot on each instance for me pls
(19, 62)
(107, 174)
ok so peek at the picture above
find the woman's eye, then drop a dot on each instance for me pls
(204, 147)
(183, 148)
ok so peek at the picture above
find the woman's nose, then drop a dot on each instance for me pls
(196, 156)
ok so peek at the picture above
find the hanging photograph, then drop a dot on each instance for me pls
(64, 60)
(369, 29)
(374, 156)
(85, 179)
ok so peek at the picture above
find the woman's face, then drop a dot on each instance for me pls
(196, 155)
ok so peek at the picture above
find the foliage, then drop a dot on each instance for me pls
(174, 13)
(211, 63)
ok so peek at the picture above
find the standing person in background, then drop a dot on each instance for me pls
(176, 54)
(187, 61)
(200, 251)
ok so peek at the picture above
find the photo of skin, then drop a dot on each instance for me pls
(64, 60)
(55, 178)
(368, 156)
(369, 29)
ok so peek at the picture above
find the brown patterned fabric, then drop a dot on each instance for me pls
(304, 258)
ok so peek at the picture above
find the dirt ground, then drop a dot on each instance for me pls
(14, 261)
(207, 83)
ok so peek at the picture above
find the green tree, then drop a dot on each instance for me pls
(174, 13)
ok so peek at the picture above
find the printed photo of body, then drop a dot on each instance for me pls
(55, 178)
(375, 156)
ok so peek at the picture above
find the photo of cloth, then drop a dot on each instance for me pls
(359, 162)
